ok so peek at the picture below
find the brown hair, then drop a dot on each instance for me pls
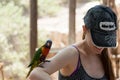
(107, 64)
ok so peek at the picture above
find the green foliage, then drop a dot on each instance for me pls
(16, 2)
(13, 25)
(14, 40)
(45, 7)
(14, 64)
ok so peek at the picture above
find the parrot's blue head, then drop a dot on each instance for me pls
(48, 44)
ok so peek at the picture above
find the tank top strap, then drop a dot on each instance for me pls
(78, 62)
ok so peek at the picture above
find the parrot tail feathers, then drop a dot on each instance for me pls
(30, 65)
(29, 72)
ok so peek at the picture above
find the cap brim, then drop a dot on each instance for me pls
(104, 39)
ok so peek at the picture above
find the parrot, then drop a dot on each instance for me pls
(40, 56)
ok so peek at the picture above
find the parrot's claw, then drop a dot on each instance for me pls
(41, 64)
(46, 61)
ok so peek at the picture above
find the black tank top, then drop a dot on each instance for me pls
(79, 73)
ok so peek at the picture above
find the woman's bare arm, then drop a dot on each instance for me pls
(39, 74)
(60, 60)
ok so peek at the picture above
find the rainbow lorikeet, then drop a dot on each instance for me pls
(40, 56)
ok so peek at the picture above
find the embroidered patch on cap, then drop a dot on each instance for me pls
(107, 26)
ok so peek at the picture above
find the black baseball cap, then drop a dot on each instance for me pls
(102, 22)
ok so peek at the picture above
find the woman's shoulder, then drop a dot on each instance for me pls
(69, 50)
(66, 54)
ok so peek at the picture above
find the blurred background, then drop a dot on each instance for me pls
(26, 24)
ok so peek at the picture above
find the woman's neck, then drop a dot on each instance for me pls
(89, 50)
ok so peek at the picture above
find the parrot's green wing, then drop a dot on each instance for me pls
(35, 61)
(36, 57)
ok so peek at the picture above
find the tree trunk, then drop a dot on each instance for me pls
(72, 13)
(33, 27)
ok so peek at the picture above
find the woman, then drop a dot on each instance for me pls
(88, 59)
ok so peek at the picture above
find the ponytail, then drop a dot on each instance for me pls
(107, 64)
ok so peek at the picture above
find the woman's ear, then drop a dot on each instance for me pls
(84, 29)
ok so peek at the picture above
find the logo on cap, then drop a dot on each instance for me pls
(107, 26)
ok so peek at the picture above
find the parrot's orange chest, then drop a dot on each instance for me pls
(45, 51)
